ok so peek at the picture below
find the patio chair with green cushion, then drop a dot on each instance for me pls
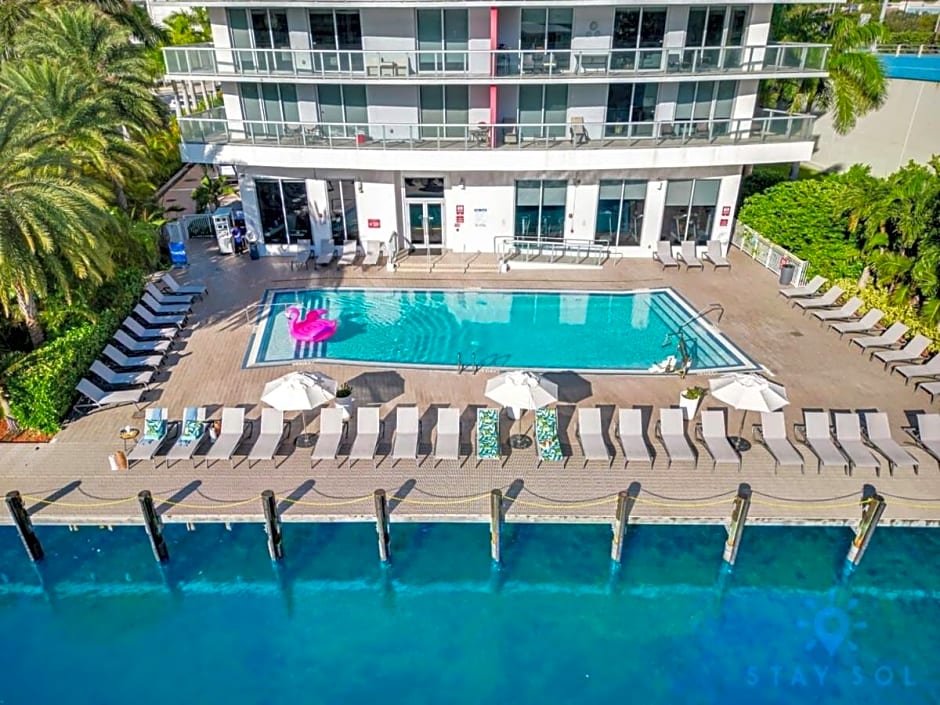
(156, 432)
(546, 436)
(192, 434)
(488, 435)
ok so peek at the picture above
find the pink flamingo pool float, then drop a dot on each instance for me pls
(312, 328)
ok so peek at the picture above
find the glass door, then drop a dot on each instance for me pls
(425, 224)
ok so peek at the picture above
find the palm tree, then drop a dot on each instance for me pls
(49, 214)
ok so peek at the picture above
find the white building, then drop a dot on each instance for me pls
(461, 124)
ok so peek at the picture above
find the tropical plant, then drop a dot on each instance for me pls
(694, 392)
(211, 190)
(189, 27)
(343, 391)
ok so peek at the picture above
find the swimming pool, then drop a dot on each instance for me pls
(590, 331)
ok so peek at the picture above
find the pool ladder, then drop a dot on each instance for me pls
(473, 363)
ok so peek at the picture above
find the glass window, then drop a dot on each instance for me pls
(322, 31)
(546, 30)
(285, 214)
(631, 109)
(690, 210)
(544, 109)
(638, 28)
(736, 26)
(239, 28)
(540, 209)
(297, 210)
(707, 103)
(620, 212)
(444, 105)
(443, 40)
(344, 219)
(343, 109)
(261, 30)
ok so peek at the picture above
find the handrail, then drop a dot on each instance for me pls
(509, 246)
(704, 312)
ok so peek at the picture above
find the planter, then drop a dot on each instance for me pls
(689, 406)
(346, 404)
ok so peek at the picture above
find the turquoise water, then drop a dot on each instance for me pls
(102, 624)
(535, 330)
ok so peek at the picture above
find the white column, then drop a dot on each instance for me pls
(758, 32)
(582, 202)
(653, 216)
(249, 196)
(727, 199)
(218, 20)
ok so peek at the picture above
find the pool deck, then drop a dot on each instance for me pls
(69, 481)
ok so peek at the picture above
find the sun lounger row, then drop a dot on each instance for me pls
(688, 255)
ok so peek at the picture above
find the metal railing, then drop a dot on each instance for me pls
(907, 49)
(212, 127)
(770, 255)
(552, 250)
(206, 60)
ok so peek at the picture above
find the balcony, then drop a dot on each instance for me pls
(510, 66)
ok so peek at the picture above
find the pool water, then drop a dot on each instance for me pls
(602, 331)
(100, 623)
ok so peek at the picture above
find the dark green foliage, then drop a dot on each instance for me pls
(758, 181)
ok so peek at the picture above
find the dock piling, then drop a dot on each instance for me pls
(870, 518)
(24, 527)
(153, 526)
(272, 526)
(381, 524)
(625, 502)
(742, 504)
(496, 524)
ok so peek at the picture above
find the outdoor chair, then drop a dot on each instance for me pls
(713, 254)
(827, 300)
(325, 251)
(578, 131)
(670, 431)
(849, 438)
(591, 436)
(407, 435)
(878, 436)
(119, 379)
(926, 434)
(170, 299)
(487, 432)
(272, 433)
(302, 258)
(144, 346)
(332, 428)
(712, 433)
(845, 313)
(156, 432)
(928, 370)
(888, 338)
(932, 388)
(810, 289)
(140, 333)
(912, 352)
(689, 255)
(192, 434)
(232, 432)
(163, 309)
(151, 321)
(547, 442)
(771, 433)
(195, 288)
(632, 436)
(93, 397)
(373, 252)
(129, 362)
(369, 428)
(815, 434)
(865, 324)
(447, 445)
(349, 254)
(663, 254)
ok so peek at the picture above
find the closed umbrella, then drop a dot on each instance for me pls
(748, 392)
(519, 390)
(299, 391)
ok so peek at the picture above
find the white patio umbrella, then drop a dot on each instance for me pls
(748, 392)
(299, 391)
(521, 390)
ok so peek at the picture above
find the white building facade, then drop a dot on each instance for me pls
(463, 126)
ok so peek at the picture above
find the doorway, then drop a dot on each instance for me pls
(426, 224)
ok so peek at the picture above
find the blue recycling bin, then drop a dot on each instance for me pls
(178, 254)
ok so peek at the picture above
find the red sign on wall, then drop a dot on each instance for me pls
(375, 223)
(723, 222)
(726, 210)
(459, 210)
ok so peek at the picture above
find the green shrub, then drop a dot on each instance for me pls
(880, 298)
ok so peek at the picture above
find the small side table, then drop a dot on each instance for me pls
(128, 433)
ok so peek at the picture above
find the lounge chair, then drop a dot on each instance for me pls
(302, 258)
(888, 338)
(93, 397)
(827, 300)
(713, 255)
(689, 255)
(816, 435)
(131, 362)
(119, 379)
(168, 299)
(156, 432)
(138, 331)
(878, 435)
(192, 434)
(149, 320)
(912, 352)
(143, 346)
(591, 436)
(231, 435)
(932, 388)
(407, 434)
(163, 309)
(815, 284)
(447, 445)
(712, 432)
(663, 254)
(849, 438)
(926, 434)
(326, 252)
(194, 288)
(332, 428)
(864, 324)
(373, 252)
(632, 436)
(845, 313)
(349, 254)
(272, 433)
(771, 433)
(547, 442)
(670, 430)
(928, 370)
(487, 431)
(369, 428)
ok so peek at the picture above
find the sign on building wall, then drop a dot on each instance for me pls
(479, 217)
(375, 223)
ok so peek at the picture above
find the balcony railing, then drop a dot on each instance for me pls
(770, 125)
(774, 58)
